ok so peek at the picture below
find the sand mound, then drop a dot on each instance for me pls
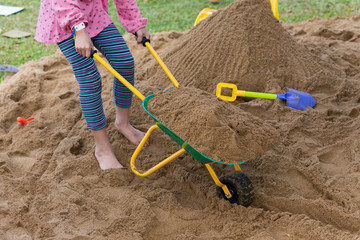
(215, 128)
(307, 188)
(256, 53)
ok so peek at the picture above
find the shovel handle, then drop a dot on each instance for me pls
(146, 43)
(117, 75)
(260, 95)
(162, 65)
(274, 8)
(240, 93)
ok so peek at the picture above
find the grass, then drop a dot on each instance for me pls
(301, 10)
(163, 15)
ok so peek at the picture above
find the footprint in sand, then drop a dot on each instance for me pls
(18, 163)
(17, 233)
(332, 161)
(301, 184)
(48, 82)
(48, 79)
(343, 35)
(354, 113)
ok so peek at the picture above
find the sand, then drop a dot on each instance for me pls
(217, 129)
(306, 188)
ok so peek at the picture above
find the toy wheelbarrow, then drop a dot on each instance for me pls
(235, 187)
(294, 98)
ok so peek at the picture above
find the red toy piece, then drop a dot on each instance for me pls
(23, 120)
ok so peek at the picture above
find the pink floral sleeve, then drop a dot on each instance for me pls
(68, 13)
(129, 15)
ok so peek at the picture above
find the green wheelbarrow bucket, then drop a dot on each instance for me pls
(235, 187)
(185, 145)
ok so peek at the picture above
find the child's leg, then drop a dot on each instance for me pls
(90, 87)
(112, 45)
(104, 153)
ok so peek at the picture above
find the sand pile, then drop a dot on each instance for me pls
(215, 128)
(306, 188)
(235, 45)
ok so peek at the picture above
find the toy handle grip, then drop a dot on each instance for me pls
(93, 51)
(234, 92)
(240, 93)
(144, 40)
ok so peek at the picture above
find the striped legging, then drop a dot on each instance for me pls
(112, 45)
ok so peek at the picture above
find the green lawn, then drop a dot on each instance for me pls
(163, 15)
(301, 10)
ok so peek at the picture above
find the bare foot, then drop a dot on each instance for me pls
(132, 134)
(107, 159)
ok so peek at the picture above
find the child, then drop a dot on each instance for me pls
(79, 25)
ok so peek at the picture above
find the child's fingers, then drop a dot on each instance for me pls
(141, 33)
(80, 50)
(88, 52)
(147, 35)
(83, 43)
(84, 50)
(139, 38)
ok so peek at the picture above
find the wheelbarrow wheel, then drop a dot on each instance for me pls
(240, 187)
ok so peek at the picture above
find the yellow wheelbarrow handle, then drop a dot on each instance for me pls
(118, 76)
(157, 166)
(274, 8)
(150, 130)
(146, 43)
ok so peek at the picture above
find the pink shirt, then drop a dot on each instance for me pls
(58, 17)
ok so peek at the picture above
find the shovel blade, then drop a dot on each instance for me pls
(299, 100)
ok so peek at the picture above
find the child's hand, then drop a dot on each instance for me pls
(142, 32)
(83, 43)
